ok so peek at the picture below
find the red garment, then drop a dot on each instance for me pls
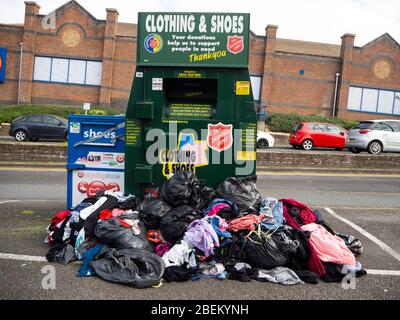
(314, 262)
(105, 214)
(123, 223)
(306, 214)
(58, 217)
(247, 222)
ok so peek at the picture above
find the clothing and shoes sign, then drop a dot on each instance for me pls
(193, 39)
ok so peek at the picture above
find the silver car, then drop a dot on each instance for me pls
(374, 136)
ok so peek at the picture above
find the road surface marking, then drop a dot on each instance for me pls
(381, 244)
(383, 272)
(8, 201)
(28, 258)
(322, 174)
(27, 169)
(22, 257)
(362, 208)
(330, 191)
(31, 200)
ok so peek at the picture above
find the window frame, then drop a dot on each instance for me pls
(68, 71)
(259, 89)
(379, 91)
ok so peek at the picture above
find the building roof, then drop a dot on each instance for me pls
(126, 29)
(308, 48)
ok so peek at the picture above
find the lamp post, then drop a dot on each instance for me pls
(20, 69)
(335, 95)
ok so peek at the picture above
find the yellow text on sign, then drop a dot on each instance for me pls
(242, 88)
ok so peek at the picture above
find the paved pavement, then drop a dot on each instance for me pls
(29, 199)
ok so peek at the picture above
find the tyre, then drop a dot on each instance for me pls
(355, 150)
(307, 144)
(66, 136)
(20, 135)
(262, 144)
(375, 147)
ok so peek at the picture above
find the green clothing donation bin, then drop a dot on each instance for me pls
(191, 106)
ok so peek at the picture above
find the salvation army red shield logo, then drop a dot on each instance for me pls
(219, 136)
(235, 44)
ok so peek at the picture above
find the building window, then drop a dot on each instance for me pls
(374, 100)
(256, 86)
(67, 71)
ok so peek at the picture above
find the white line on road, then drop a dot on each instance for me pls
(22, 257)
(381, 244)
(8, 201)
(383, 272)
(31, 200)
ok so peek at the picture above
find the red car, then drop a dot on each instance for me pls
(308, 135)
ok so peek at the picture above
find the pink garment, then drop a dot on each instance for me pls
(329, 248)
(223, 225)
(117, 212)
(217, 208)
(162, 248)
(247, 222)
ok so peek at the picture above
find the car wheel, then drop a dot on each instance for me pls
(355, 150)
(262, 144)
(375, 147)
(307, 144)
(20, 135)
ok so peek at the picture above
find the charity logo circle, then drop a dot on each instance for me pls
(153, 43)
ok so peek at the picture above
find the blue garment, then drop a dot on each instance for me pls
(74, 215)
(216, 201)
(318, 215)
(88, 255)
(215, 224)
(220, 276)
(276, 216)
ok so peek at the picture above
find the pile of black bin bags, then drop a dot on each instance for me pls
(193, 231)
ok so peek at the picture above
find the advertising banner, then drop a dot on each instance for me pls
(3, 57)
(193, 39)
(86, 183)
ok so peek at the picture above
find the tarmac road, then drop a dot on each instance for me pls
(370, 204)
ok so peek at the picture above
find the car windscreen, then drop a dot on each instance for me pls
(363, 125)
(297, 127)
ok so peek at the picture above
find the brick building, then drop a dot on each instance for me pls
(70, 57)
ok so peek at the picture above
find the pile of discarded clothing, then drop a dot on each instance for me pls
(193, 231)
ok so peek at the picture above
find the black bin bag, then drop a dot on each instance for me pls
(114, 234)
(137, 268)
(186, 189)
(243, 192)
(151, 211)
(178, 190)
(263, 252)
(174, 224)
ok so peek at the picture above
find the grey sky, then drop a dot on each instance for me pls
(312, 20)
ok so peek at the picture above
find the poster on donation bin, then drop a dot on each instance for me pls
(86, 183)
